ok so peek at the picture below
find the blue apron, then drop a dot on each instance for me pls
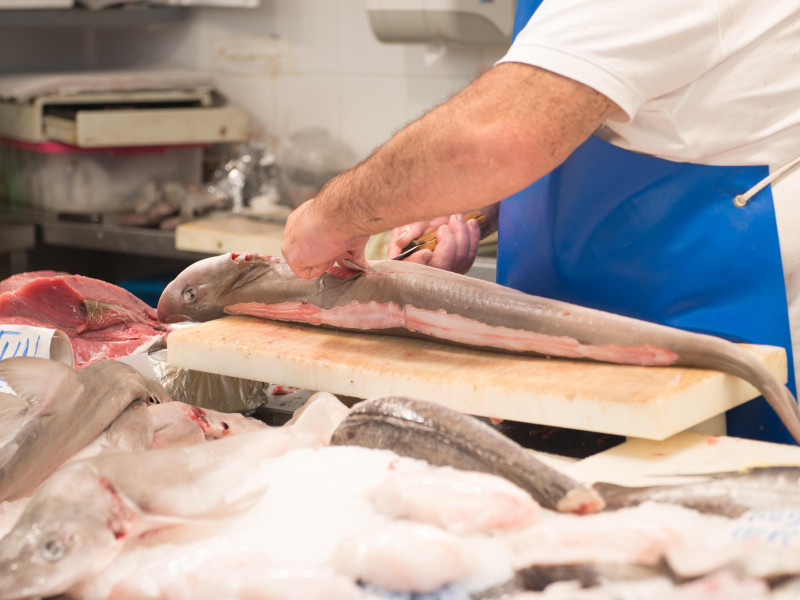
(656, 240)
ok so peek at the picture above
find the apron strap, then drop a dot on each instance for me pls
(741, 200)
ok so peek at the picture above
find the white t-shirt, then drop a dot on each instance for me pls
(706, 81)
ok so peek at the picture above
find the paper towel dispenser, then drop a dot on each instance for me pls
(486, 22)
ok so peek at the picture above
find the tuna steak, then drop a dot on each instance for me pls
(73, 303)
(404, 298)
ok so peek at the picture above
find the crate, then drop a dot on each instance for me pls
(59, 178)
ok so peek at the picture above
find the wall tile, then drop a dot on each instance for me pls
(373, 108)
(362, 53)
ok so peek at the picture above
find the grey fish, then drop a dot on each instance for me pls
(444, 437)
(538, 577)
(402, 298)
(58, 411)
(729, 494)
(80, 518)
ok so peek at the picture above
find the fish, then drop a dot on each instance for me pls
(80, 518)
(83, 516)
(402, 298)
(444, 437)
(590, 574)
(167, 425)
(57, 411)
(728, 494)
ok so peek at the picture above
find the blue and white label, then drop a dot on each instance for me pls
(23, 340)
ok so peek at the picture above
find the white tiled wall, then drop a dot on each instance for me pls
(301, 63)
(292, 63)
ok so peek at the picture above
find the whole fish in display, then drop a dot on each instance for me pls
(445, 437)
(729, 494)
(57, 411)
(80, 519)
(167, 425)
(398, 297)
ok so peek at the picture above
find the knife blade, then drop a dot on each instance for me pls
(428, 241)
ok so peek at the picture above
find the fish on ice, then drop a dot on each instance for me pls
(57, 411)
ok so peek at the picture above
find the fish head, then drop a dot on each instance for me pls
(66, 533)
(203, 290)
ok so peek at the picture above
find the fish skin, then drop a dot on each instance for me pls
(238, 283)
(444, 437)
(728, 494)
(538, 577)
(90, 507)
(62, 410)
(41, 555)
(145, 427)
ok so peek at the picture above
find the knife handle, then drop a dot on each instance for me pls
(428, 241)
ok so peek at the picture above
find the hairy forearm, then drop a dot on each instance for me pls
(510, 127)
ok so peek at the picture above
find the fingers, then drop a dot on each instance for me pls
(456, 245)
(311, 248)
(401, 236)
(354, 258)
(466, 236)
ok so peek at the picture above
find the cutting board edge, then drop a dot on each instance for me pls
(648, 421)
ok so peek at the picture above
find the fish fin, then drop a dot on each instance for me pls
(11, 409)
(242, 280)
(35, 380)
(7, 451)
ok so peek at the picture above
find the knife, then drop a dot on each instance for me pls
(428, 241)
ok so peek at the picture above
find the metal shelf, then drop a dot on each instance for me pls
(135, 241)
(131, 16)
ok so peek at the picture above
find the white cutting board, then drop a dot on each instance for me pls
(643, 402)
(229, 233)
(674, 460)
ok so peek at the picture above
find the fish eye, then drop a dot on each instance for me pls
(53, 549)
(189, 295)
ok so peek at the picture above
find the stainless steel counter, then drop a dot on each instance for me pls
(138, 241)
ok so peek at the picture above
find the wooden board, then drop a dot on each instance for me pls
(229, 233)
(645, 402)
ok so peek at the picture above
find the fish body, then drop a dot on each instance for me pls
(79, 519)
(444, 437)
(153, 426)
(88, 509)
(725, 494)
(398, 297)
(42, 554)
(59, 411)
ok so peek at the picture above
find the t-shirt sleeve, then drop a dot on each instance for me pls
(629, 50)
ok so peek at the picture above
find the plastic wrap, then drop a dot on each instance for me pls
(249, 172)
(310, 158)
(209, 390)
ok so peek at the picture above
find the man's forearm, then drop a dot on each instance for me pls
(510, 127)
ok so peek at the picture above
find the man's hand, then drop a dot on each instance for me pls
(311, 246)
(456, 242)
(511, 126)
